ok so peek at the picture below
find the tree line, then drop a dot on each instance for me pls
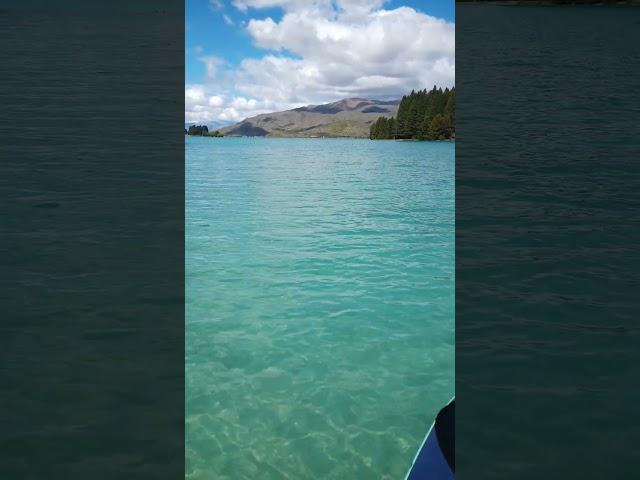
(202, 131)
(422, 115)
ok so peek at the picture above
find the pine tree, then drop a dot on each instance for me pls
(450, 112)
(424, 115)
(437, 128)
(413, 123)
(401, 120)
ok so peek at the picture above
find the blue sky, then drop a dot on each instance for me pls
(244, 57)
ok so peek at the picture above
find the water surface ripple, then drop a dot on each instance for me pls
(319, 305)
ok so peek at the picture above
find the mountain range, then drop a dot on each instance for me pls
(351, 117)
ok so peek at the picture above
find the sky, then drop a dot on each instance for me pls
(246, 57)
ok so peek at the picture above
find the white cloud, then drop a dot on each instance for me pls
(227, 19)
(243, 5)
(216, 101)
(244, 103)
(194, 96)
(324, 50)
(384, 52)
(361, 6)
(216, 4)
(212, 64)
(201, 106)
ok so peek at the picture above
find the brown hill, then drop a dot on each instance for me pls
(350, 117)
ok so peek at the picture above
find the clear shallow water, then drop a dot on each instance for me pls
(319, 305)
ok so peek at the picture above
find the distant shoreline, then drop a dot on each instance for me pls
(449, 140)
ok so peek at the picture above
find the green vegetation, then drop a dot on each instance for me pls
(199, 130)
(422, 115)
(202, 131)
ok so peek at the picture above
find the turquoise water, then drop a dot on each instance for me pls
(319, 305)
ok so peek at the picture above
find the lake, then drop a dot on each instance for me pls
(319, 305)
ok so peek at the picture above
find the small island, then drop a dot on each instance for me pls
(202, 131)
(422, 115)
